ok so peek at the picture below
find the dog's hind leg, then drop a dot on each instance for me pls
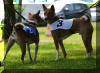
(63, 49)
(29, 54)
(23, 50)
(36, 50)
(87, 39)
(10, 43)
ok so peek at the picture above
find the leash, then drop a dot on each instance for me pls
(93, 5)
(29, 21)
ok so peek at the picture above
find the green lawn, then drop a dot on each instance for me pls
(75, 49)
(1, 50)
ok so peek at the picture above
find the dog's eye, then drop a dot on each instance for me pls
(45, 13)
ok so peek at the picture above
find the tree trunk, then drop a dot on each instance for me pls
(19, 10)
(9, 19)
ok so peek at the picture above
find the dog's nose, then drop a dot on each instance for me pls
(46, 19)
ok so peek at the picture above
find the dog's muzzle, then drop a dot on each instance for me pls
(46, 19)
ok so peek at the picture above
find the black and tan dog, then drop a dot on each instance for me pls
(80, 25)
(20, 37)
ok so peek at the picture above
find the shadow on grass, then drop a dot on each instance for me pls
(50, 66)
(76, 58)
(50, 63)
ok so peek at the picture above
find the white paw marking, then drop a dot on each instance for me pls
(57, 56)
(88, 55)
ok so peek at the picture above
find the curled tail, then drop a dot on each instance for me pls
(86, 18)
(19, 26)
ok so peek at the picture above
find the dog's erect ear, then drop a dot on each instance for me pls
(29, 15)
(38, 12)
(52, 8)
(44, 7)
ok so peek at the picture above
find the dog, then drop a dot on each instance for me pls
(22, 39)
(80, 25)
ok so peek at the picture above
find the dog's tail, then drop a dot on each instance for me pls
(18, 26)
(86, 18)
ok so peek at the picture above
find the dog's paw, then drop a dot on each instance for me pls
(57, 59)
(31, 60)
(1, 64)
(34, 61)
(65, 57)
(88, 55)
(23, 62)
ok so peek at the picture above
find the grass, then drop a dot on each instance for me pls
(75, 49)
(1, 51)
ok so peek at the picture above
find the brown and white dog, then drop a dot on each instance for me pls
(19, 36)
(80, 25)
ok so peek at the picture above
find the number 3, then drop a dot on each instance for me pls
(60, 23)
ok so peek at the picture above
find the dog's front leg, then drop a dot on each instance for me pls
(36, 50)
(23, 50)
(63, 48)
(57, 49)
(10, 43)
(29, 54)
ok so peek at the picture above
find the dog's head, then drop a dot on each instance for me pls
(36, 17)
(49, 13)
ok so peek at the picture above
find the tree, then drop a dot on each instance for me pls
(19, 10)
(9, 19)
(98, 4)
